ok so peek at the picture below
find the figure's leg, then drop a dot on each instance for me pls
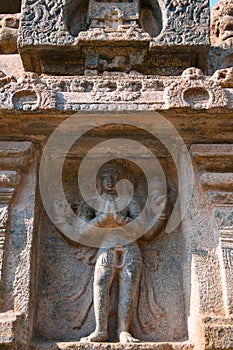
(102, 282)
(128, 287)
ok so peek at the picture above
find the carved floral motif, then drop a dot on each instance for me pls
(192, 89)
(43, 23)
(43, 20)
(188, 21)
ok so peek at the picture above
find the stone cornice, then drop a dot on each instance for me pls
(132, 92)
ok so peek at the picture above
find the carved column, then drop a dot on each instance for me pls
(226, 254)
(8, 184)
(220, 187)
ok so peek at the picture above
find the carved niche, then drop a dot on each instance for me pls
(67, 268)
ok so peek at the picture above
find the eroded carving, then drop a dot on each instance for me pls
(195, 91)
(178, 18)
(27, 93)
(76, 16)
(222, 24)
(48, 18)
(221, 54)
(112, 15)
(192, 89)
(9, 24)
(224, 77)
(218, 182)
(9, 181)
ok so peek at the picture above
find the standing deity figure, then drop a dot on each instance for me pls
(124, 260)
(121, 261)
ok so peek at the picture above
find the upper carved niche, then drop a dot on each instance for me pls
(151, 17)
(76, 16)
(110, 14)
(68, 37)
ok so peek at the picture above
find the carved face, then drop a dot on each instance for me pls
(222, 23)
(109, 181)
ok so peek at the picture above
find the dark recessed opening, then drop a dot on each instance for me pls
(76, 16)
(151, 17)
(10, 6)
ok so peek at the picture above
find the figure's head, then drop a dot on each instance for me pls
(222, 23)
(109, 175)
(86, 212)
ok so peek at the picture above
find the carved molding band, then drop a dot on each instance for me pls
(191, 90)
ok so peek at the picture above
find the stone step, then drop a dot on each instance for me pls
(111, 346)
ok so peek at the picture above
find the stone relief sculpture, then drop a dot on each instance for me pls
(146, 14)
(221, 36)
(222, 23)
(124, 259)
(124, 262)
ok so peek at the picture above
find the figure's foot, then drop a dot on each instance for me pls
(126, 337)
(96, 336)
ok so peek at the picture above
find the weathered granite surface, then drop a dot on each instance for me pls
(18, 254)
(119, 63)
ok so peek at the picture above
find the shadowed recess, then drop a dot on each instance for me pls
(10, 6)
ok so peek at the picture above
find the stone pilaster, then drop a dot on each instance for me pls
(17, 180)
(215, 163)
